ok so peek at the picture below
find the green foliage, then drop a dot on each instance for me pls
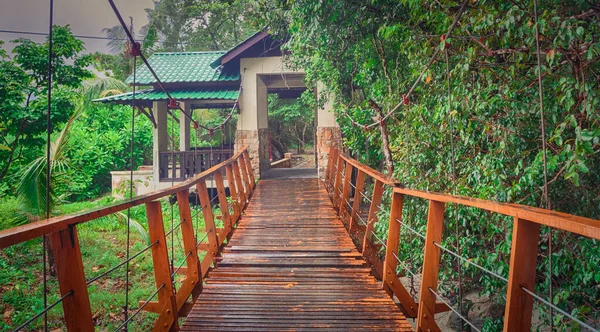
(291, 122)
(200, 25)
(23, 87)
(377, 49)
(100, 143)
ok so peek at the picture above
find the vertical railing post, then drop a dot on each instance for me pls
(431, 266)
(239, 185)
(523, 258)
(233, 193)
(71, 277)
(338, 181)
(328, 168)
(358, 197)
(209, 221)
(344, 204)
(193, 281)
(333, 159)
(162, 271)
(249, 168)
(245, 177)
(391, 283)
(373, 210)
(223, 202)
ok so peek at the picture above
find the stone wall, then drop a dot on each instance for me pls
(326, 136)
(250, 139)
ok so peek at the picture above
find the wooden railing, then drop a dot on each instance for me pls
(181, 165)
(345, 180)
(171, 304)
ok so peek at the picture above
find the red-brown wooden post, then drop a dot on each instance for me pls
(233, 193)
(431, 266)
(328, 168)
(162, 270)
(193, 280)
(337, 187)
(344, 204)
(373, 210)
(391, 283)
(523, 258)
(333, 159)
(239, 185)
(358, 197)
(249, 168)
(209, 220)
(224, 206)
(248, 185)
(70, 275)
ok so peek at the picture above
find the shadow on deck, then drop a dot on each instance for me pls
(290, 265)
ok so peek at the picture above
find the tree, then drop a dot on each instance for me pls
(479, 95)
(200, 25)
(23, 87)
(291, 122)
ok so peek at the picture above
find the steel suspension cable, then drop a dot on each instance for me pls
(132, 166)
(544, 152)
(48, 158)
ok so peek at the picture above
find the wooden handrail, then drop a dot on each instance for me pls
(169, 305)
(559, 220)
(40, 228)
(526, 232)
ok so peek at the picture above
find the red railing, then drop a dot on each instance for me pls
(171, 304)
(345, 179)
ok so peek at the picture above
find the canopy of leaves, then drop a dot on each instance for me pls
(488, 108)
(23, 89)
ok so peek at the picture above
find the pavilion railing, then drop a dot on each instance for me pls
(181, 165)
(347, 179)
(171, 299)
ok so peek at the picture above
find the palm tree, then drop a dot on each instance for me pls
(32, 185)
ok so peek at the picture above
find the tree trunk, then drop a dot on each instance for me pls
(385, 145)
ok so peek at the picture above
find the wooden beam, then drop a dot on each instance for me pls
(233, 194)
(223, 205)
(345, 191)
(193, 280)
(373, 210)
(71, 278)
(358, 198)
(391, 284)
(162, 270)
(240, 186)
(337, 187)
(523, 259)
(431, 266)
(249, 169)
(245, 177)
(209, 220)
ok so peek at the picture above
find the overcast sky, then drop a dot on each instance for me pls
(86, 17)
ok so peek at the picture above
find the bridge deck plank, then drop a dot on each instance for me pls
(290, 265)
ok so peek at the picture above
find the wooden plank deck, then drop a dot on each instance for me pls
(291, 266)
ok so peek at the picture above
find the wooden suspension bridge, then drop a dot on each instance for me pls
(284, 257)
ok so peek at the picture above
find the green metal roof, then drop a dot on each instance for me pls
(184, 67)
(181, 95)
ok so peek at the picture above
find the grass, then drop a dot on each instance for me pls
(102, 243)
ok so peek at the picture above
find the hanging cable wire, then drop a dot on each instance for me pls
(544, 152)
(48, 159)
(132, 167)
